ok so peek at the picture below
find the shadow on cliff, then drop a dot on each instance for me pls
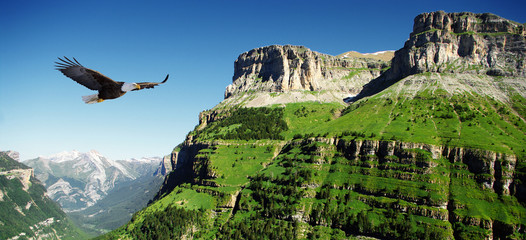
(384, 81)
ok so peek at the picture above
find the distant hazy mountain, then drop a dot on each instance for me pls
(91, 187)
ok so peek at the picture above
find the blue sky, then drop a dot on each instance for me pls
(196, 42)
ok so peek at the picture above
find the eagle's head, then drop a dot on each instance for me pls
(126, 87)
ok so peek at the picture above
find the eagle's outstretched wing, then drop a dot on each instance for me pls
(150, 84)
(89, 78)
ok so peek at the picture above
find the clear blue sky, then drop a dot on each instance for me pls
(196, 42)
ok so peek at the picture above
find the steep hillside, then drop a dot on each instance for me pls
(117, 208)
(423, 152)
(25, 210)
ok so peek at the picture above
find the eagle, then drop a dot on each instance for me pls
(108, 88)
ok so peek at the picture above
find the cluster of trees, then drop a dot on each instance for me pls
(172, 223)
(309, 135)
(353, 107)
(465, 113)
(273, 200)
(303, 112)
(255, 123)
(378, 223)
(257, 227)
(276, 197)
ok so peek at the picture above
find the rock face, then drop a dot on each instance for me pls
(165, 166)
(499, 167)
(182, 160)
(286, 68)
(463, 42)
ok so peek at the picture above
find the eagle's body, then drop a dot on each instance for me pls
(107, 88)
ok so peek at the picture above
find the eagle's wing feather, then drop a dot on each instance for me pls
(150, 84)
(84, 76)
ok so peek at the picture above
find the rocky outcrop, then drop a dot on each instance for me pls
(165, 166)
(286, 68)
(24, 175)
(467, 43)
(210, 116)
(463, 42)
(405, 161)
(13, 154)
(182, 160)
(494, 170)
(491, 170)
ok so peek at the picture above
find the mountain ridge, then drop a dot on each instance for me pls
(89, 186)
(91, 165)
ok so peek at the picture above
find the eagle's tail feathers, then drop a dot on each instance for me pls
(91, 99)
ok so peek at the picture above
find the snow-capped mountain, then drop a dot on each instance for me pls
(78, 180)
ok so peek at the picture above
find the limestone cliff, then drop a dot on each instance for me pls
(286, 68)
(459, 43)
(463, 42)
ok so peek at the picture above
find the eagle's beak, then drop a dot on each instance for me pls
(138, 87)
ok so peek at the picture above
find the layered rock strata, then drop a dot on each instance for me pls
(287, 68)
(463, 42)
(459, 43)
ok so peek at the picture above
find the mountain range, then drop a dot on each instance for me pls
(431, 144)
(99, 194)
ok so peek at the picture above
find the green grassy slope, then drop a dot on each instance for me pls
(438, 118)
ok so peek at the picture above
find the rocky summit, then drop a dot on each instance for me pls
(293, 69)
(461, 43)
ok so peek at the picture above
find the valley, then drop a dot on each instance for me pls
(97, 193)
